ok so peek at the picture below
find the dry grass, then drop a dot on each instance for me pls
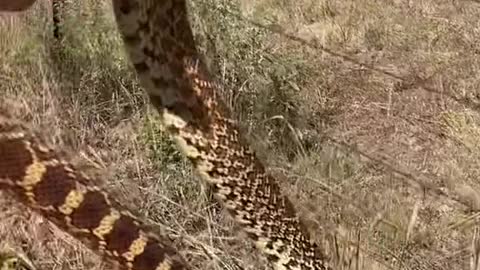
(377, 164)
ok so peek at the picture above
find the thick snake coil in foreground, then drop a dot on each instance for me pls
(41, 180)
(160, 43)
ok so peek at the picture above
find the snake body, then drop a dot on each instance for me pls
(57, 17)
(159, 41)
(40, 179)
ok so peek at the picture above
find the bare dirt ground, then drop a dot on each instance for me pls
(366, 111)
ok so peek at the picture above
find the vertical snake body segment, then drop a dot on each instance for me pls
(160, 43)
(57, 11)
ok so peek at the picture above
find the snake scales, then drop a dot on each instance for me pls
(159, 41)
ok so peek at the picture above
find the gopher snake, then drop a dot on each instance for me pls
(160, 43)
(57, 17)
